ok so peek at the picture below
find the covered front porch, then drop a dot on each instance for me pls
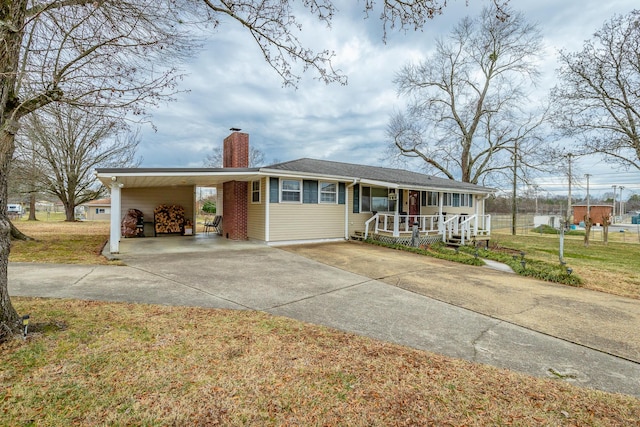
(449, 228)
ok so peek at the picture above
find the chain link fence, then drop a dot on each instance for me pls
(624, 232)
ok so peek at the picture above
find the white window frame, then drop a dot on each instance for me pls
(257, 191)
(434, 195)
(282, 190)
(322, 192)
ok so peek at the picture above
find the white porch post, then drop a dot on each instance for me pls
(396, 217)
(477, 202)
(114, 229)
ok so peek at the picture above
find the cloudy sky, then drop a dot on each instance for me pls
(230, 85)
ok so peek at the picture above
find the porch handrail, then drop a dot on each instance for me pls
(368, 222)
(465, 228)
(449, 227)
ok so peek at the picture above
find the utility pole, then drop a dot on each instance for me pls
(514, 206)
(614, 204)
(569, 219)
(621, 211)
(588, 175)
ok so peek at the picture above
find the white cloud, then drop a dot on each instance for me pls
(231, 85)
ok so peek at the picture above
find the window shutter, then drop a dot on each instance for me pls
(309, 191)
(356, 198)
(423, 196)
(274, 189)
(341, 193)
(470, 200)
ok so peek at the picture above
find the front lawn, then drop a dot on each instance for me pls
(94, 364)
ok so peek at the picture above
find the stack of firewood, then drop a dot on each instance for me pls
(129, 225)
(169, 219)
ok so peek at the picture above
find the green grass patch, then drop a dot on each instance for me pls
(611, 268)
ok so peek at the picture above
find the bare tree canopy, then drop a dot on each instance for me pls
(71, 143)
(464, 101)
(598, 98)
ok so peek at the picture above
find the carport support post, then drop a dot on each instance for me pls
(114, 229)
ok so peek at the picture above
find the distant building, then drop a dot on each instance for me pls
(598, 213)
(98, 210)
(554, 221)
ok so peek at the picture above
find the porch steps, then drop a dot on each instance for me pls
(456, 240)
(358, 235)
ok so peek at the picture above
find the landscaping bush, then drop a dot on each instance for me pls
(473, 256)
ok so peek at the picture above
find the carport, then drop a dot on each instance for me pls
(146, 188)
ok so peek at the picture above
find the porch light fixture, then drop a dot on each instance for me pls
(25, 325)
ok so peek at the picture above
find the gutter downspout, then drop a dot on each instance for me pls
(267, 198)
(346, 208)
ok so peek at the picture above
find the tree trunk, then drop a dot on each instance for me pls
(8, 315)
(587, 230)
(17, 234)
(70, 211)
(12, 17)
(32, 206)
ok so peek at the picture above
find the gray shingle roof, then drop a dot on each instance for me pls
(375, 173)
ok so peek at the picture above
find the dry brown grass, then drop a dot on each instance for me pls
(61, 242)
(120, 364)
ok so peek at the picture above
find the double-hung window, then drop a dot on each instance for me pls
(432, 198)
(255, 191)
(328, 192)
(291, 190)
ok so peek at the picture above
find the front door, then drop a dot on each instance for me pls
(414, 206)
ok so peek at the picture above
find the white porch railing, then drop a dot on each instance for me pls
(463, 227)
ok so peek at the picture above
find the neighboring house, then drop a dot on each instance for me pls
(97, 210)
(306, 199)
(598, 213)
(554, 221)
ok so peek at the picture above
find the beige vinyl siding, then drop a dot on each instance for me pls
(305, 221)
(357, 220)
(256, 213)
(93, 216)
(146, 200)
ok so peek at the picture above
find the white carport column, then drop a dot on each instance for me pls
(114, 232)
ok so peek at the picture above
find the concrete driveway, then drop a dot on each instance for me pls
(252, 276)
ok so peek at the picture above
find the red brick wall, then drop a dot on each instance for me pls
(234, 193)
(598, 212)
(234, 206)
(235, 152)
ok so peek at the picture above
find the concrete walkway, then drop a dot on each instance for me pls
(249, 276)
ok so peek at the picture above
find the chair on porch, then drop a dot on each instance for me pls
(213, 225)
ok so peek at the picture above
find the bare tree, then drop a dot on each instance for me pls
(464, 101)
(117, 55)
(597, 100)
(214, 158)
(71, 143)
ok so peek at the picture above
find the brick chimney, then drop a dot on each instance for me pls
(235, 151)
(235, 194)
